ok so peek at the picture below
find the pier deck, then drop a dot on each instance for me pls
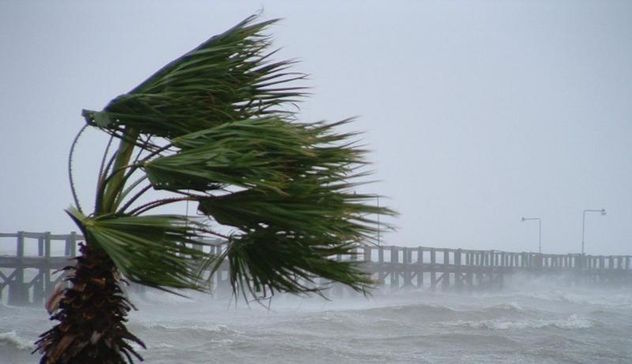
(29, 272)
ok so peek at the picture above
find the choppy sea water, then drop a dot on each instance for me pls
(533, 322)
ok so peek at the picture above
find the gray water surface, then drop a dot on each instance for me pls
(532, 323)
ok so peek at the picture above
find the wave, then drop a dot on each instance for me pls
(186, 331)
(500, 309)
(570, 323)
(506, 307)
(184, 326)
(13, 339)
(442, 311)
(407, 309)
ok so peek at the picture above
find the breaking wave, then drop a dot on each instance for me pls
(11, 338)
(569, 323)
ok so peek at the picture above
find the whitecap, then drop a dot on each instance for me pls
(510, 307)
(569, 323)
(12, 338)
(161, 346)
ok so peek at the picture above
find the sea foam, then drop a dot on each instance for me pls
(13, 339)
(569, 323)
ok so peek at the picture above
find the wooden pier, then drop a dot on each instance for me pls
(462, 269)
(29, 272)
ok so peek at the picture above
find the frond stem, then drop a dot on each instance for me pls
(72, 183)
(101, 183)
(154, 153)
(115, 182)
(134, 198)
(152, 205)
(105, 154)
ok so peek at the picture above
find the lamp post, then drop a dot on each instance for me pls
(602, 211)
(539, 230)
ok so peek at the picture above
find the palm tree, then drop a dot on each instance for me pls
(214, 127)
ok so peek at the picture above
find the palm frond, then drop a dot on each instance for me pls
(227, 139)
(270, 260)
(285, 240)
(229, 77)
(267, 153)
(318, 211)
(296, 197)
(160, 251)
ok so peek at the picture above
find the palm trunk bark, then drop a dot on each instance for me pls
(92, 314)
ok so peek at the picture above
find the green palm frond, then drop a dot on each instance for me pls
(320, 211)
(265, 153)
(271, 260)
(285, 240)
(229, 77)
(160, 251)
(226, 137)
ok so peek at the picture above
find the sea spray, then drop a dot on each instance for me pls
(406, 326)
(12, 339)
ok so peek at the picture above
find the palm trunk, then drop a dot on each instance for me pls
(92, 313)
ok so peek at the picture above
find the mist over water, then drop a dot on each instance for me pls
(530, 321)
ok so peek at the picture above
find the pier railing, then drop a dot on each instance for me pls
(30, 263)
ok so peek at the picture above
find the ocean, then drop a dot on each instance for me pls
(529, 322)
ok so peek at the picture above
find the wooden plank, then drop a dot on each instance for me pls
(433, 273)
(354, 254)
(381, 274)
(408, 259)
(458, 278)
(17, 291)
(367, 254)
(394, 272)
(71, 244)
(40, 246)
(45, 274)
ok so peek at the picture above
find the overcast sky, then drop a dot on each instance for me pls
(477, 112)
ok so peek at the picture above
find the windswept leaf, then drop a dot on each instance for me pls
(228, 77)
(267, 153)
(267, 261)
(161, 251)
(322, 212)
(226, 110)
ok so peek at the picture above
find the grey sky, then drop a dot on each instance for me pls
(477, 112)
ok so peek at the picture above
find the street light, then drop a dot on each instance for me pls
(602, 211)
(539, 230)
